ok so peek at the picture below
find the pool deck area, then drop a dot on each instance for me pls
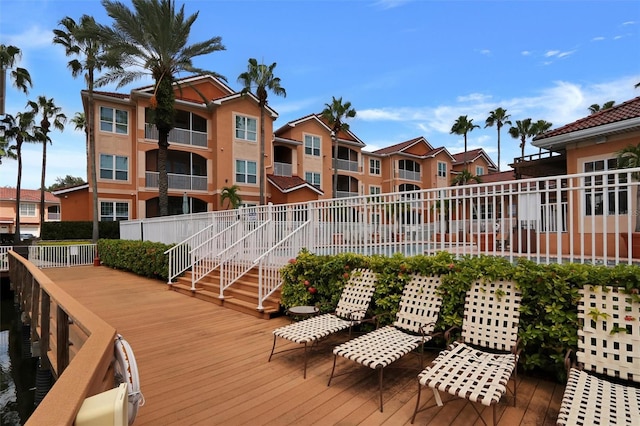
(200, 363)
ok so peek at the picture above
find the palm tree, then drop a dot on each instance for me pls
(20, 129)
(595, 107)
(465, 177)
(539, 127)
(335, 113)
(499, 118)
(83, 40)
(230, 193)
(20, 77)
(462, 126)
(152, 40)
(522, 130)
(261, 77)
(628, 158)
(48, 109)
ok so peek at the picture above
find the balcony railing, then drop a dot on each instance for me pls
(282, 169)
(345, 194)
(53, 216)
(408, 175)
(177, 181)
(348, 165)
(180, 136)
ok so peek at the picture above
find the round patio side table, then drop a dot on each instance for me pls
(298, 313)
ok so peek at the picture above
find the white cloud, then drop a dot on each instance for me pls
(628, 23)
(485, 52)
(600, 38)
(565, 54)
(526, 53)
(390, 4)
(551, 53)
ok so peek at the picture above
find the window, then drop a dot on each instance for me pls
(312, 145)
(374, 166)
(442, 169)
(111, 211)
(114, 120)
(375, 190)
(479, 170)
(114, 167)
(246, 171)
(28, 209)
(246, 128)
(313, 178)
(408, 165)
(601, 195)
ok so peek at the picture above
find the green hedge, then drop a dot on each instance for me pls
(80, 230)
(144, 258)
(548, 321)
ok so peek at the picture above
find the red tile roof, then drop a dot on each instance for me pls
(7, 193)
(505, 176)
(399, 147)
(291, 183)
(625, 111)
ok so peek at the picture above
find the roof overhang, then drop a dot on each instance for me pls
(560, 141)
(68, 190)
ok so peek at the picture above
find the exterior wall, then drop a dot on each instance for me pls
(76, 206)
(29, 224)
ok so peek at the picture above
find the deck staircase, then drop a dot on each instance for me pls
(242, 296)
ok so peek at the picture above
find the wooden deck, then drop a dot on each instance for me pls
(204, 364)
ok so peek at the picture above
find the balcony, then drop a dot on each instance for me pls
(179, 136)
(409, 175)
(346, 194)
(282, 169)
(53, 217)
(176, 181)
(348, 165)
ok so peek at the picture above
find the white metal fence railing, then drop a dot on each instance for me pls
(4, 258)
(56, 256)
(584, 218)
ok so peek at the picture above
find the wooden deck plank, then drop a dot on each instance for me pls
(200, 363)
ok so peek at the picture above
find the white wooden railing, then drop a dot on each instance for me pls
(57, 256)
(582, 218)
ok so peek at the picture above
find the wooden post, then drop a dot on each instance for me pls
(45, 329)
(35, 310)
(62, 340)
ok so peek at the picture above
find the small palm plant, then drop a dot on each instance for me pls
(629, 157)
(230, 193)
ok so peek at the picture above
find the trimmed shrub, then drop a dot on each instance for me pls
(81, 230)
(143, 258)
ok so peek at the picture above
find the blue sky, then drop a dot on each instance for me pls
(409, 68)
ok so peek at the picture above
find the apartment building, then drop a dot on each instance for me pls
(29, 210)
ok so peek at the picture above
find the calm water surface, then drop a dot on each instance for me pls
(17, 367)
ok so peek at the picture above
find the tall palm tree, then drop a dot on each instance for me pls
(522, 130)
(51, 115)
(83, 41)
(260, 77)
(499, 118)
(335, 114)
(629, 157)
(152, 40)
(462, 126)
(595, 107)
(539, 127)
(20, 77)
(230, 193)
(19, 129)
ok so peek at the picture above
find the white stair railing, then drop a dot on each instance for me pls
(207, 256)
(269, 264)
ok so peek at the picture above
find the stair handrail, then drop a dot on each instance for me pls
(180, 254)
(232, 267)
(205, 257)
(269, 279)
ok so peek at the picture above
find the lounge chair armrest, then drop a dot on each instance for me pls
(380, 317)
(517, 348)
(569, 360)
(350, 314)
(447, 334)
(432, 333)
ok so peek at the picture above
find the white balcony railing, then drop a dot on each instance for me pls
(346, 194)
(53, 216)
(408, 175)
(348, 165)
(178, 181)
(282, 169)
(181, 136)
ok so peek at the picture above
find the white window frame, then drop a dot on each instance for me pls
(114, 205)
(114, 170)
(313, 178)
(597, 188)
(114, 124)
(375, 190)
(479, 170)
(375, 168)
(310, 148)
(442, 169)
(243, 130)
(28, 209)
(246, 175)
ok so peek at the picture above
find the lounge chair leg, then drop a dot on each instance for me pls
(495, 417)
(335, 357)
(304, 376)
(417, 403)
(273, 347)
(380, 385)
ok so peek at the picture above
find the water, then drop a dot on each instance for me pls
(17, 367)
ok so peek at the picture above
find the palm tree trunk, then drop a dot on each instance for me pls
(498, 148)
(637, 208)
(42, 179)
(163, 179)
(16, 237)
(95, 233)
(335, 164)
(262, 149)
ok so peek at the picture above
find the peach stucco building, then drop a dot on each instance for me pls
(29, 210)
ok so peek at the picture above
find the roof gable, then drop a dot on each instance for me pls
(27, 195)
(416, 146)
